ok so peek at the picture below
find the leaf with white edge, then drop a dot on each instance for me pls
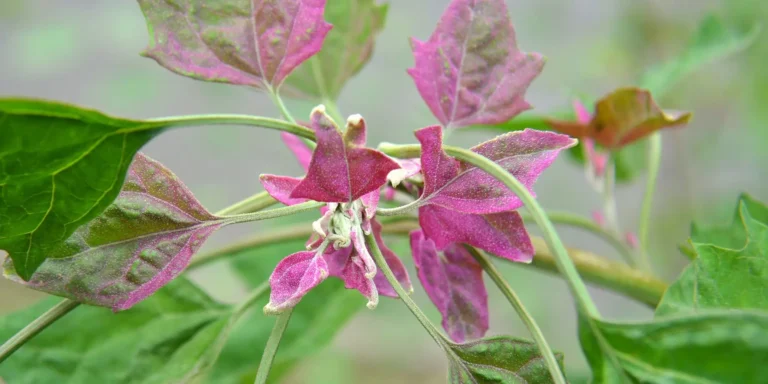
(246, 42)
(470, 71)
(707, 347)
(501, 360)
(138, 244)
(731, 267)
(346, 49)
(171, 337)
(60, 167)
(713, 40)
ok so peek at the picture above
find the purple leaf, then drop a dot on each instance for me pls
(353, 275)
(437, 167)
(464, 188)
(395, 264)
(302, 152)
(455, 285)
(280, 187)
(502, 234)
(247, 42)
(337, 172)
(353, 266)
(470, 71)
(292, 278)
(138, 244)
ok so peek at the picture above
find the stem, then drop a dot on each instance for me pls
(595, 269)
(257, 202)
(254, 203)
(38, 325)
(255, 295)
(281, 323)
(373, 247)
(281, 105)
(564, 263)
(278, 101)
(654, 161)
(609, 200)
(232, 119)
(530, 323)
(273, 213)
(401, 210)
(577, 221)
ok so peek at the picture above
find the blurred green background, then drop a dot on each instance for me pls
(86, 52)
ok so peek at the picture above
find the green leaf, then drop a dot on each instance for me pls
(60, 167)
(171, 337)
(315, 321)
(137, 245)
(346, 49)
(731, 267)
(500, 359)
(707, 347)
(713, 41)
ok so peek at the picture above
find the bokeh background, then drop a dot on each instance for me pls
(86, 52)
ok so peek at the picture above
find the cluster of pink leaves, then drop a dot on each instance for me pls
(470, 71)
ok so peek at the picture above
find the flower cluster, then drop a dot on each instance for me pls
(347, 176)
(458, 205)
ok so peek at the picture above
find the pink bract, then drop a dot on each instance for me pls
(253, 42)
(470, 71)
(455, 285)
(341, 171)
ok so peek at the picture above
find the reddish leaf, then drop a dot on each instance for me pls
(395, 264)
(341, 173)
(280, 187)
(464, 188)
(470, 71)
(622, 117)
(292, 278)
(140, 243)
(455, 285)
(502, 234)
(246, 42)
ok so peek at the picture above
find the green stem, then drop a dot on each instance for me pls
(609, 199)
(278, 101)
(398, 211)
(564, 263)
(598, 270)
(254, 203)
(38, 325)
(281, 323)
(373, 247)
(273, 213)
(530, 323)
(232, 119)
(257, 202)
(281, 105)
(255, 296)
(654, 161)
(577, 221)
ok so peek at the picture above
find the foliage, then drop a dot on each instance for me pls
(86, 216)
